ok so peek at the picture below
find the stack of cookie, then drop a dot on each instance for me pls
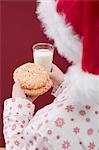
(33, 79)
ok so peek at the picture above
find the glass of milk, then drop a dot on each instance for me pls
(43, 55)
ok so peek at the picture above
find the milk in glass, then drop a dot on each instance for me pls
(44, 58)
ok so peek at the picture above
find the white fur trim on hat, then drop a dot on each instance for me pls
(67, 42)
(81, 86)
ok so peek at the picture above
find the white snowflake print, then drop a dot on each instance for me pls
(39, 125)
(31, 142)
(10, 108)
(60, 105)
(45, 148)
(66, 145)
(82, 112)
(59, 122)
(58, 137)
(49, 132)
(23, 121)
(87, 106)
(91, 146)
(19, 106)
(90, 131)
(28, 105)
(16, 143)
(13, 99)
(88, 120)
(96, 112)
(13, 127)
(69, 108)
(76, 130)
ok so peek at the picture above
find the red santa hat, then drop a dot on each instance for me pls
(74, 27)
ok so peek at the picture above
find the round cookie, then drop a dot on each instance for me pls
(40, 91)
(33, 79)
(31, 76)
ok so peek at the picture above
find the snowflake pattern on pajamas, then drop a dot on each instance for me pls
(62, 125)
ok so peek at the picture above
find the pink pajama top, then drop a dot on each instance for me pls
(62, 125)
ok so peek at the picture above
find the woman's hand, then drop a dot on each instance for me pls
(17, 91)
(56, 75)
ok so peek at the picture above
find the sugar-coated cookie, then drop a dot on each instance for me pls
(33, 79)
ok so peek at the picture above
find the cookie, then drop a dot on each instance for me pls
(40, 91)
(33, 79)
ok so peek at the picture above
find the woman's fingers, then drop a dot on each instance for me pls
(17, 91)
(53, 70)
(56, 75)
(51, 75)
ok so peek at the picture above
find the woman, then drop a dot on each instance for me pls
(71, 122)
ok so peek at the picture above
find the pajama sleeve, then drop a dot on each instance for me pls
(18, 113)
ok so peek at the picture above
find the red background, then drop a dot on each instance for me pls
(20, 29)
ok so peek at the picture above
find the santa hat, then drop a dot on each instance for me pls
(74, 27)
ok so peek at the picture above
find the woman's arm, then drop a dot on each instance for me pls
(17, 114)
(18, 111)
